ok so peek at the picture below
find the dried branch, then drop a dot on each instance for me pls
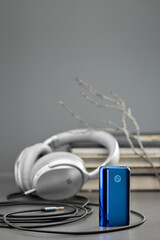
(99, 104)
(74, 115)
(115, 103)
(90, 89)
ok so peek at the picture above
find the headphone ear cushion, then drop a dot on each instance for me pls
(58, 175)
(26, 160)
(57, 158)
(17, 168)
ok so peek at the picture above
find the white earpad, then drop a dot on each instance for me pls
(17, 168)
(56, 159)
(58, 175)
(26, 161)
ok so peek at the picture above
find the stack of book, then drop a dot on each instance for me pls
(143, 175)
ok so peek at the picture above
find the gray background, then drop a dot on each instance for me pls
(113, 45)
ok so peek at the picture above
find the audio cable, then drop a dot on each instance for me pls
(51, 213)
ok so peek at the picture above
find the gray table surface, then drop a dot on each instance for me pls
(146, 202)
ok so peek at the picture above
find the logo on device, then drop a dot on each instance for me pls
(117, 178)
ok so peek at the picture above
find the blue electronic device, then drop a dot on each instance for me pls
(114, 196)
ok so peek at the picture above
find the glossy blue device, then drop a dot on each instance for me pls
(114, 196)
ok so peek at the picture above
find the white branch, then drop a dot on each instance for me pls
(89, 99)
(93, 91)
(74, 115)
(115, 103)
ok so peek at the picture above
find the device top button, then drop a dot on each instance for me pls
(117, 178)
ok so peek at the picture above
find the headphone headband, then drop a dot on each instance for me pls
(103, 138)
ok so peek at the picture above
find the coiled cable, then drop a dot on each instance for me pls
(44, 216)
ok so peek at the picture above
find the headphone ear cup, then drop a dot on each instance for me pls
(26, 161)
(58, 176)
(17, 168)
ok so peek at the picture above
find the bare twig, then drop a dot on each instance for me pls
(90, 89)
(99, 104)
(116, 103)
(74, 115)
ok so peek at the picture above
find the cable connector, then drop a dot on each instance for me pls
(21, 194)
(50, 209)
(30, 191)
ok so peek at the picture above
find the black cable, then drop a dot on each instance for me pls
(69, 219)
(15, 195)
(78, 233)
(74, 212)
(21, 194)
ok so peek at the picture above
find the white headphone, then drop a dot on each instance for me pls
(60, 175)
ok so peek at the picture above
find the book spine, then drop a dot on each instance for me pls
(136, 183)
